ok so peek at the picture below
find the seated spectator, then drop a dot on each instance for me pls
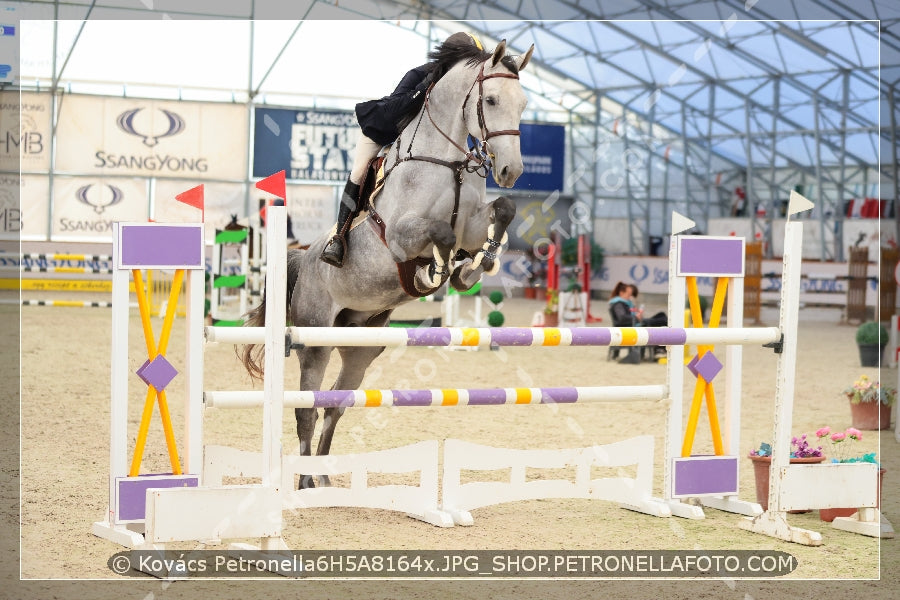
(658, 320)
(624, 313)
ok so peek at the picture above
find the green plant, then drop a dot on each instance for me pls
(871, 333)
(866, 390)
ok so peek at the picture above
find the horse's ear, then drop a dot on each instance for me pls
(523, 60)
(499, 53)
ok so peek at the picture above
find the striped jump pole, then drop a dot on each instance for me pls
(61, 257)
(500, 336)
(439, 397)
(71, 303)
(43, 269)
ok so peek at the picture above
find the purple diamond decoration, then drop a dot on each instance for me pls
(708, 366)
(157, 372)
(692, 366)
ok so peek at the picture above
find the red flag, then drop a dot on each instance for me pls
(274, 184)
(193, 197)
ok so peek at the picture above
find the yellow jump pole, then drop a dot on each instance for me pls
(712, 410)
(694, 414)
(161, 395)
(144, 427)
(152, 352)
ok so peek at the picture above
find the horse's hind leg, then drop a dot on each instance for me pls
(354, 363)
(486, 260)
(313, 361)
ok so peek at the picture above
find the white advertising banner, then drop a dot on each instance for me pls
(24, 131)
(311, 209)
(221, 202)
(127, 136)
(84, 208)
(24, 207)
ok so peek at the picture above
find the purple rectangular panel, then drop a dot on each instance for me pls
(132, 493)
(711, 256)
(705, 476)
(146, 245)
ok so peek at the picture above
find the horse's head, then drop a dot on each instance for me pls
(493, 110)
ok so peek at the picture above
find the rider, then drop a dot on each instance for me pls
(379, 120)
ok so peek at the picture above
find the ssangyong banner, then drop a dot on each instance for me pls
(84, 208)
(311, 145)
(27, 218)
(543, 153)
(151, 138)
(24, 131)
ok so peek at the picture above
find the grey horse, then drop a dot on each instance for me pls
(430, 221)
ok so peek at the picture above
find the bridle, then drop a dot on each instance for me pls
(477, 160)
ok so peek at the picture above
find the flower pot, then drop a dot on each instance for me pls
(829, 514)
(551, 320)
(761, 465)
(870, 415)
(530, 292)
(540, 293)
(870, 354)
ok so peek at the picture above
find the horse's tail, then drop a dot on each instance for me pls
(252, 355)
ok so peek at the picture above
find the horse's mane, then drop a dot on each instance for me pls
(445, 56)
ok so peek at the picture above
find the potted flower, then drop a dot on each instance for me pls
(801, 453)
(551, 309)
(841, 446)
(870, 404)
(871, 338)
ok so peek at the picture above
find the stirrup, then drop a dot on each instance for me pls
(333, 253)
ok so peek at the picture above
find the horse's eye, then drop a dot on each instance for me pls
(491, 100)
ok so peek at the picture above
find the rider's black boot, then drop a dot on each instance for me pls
(334, 250)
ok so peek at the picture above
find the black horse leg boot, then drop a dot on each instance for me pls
(333, 254)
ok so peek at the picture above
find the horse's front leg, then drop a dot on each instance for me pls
(409, 237)
(487, 260)
(313, 361)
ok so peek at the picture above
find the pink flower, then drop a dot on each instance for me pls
(823, 432)
(853, 434)
(838, 437)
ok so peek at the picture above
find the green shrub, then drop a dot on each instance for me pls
(871, 333)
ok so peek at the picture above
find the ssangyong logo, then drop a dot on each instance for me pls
(98, 200)
(125, 121)
(157, 160)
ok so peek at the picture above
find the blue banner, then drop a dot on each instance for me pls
(543, 152)
(312, 145)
